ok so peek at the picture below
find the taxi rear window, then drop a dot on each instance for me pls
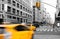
(21, 28)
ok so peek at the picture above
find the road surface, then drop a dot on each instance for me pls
(47, 35)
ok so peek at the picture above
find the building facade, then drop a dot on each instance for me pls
(38, 12)
(57, 14)
(16, 11)
(57, 17)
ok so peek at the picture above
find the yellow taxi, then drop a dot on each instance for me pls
(15, 31)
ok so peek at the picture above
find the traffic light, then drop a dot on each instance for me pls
(37, 4)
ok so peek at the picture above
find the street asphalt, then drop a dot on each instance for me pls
(47, 35)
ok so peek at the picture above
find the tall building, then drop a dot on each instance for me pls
(57, 14)
(38, 12)
(58, 8)
(57, 17)
(16, 11)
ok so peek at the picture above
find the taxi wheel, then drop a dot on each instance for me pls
(32, 36)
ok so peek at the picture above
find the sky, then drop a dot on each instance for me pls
(49, 9)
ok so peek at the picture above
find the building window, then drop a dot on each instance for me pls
(40, 12)
(18, 20)
(23, 8)
(2, 0)
(13, 10)
(0, 15)
(26, 9)
(59, 13)
(24, 20)
(14, 17)
(17, 12)
(21, 13)
(9, 16)
(14, 3)
(2, 6)
(9, 1)
(33, 9)
(8, 9)
(16, 0)
(26, 15)
(30, 11)
(18, 5)
(21, 20)
(58, 19)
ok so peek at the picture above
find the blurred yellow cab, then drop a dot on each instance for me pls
(15, 31)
